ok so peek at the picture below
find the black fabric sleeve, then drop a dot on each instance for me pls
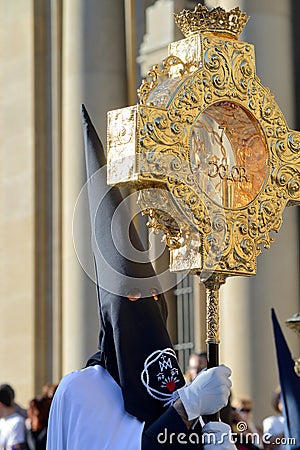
(170, 432)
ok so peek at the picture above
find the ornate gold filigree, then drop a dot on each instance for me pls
(294, 323)
(121, 136)
(171, 67)
(212, 286)
(163, 214)
(199, 126)
(216, 20)
(297, 366)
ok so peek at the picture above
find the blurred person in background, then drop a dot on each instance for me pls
(250, 436)
(48, 389)
(12, 424)
(197, 362)
(18, 409)
(37, 423)
(274, 425)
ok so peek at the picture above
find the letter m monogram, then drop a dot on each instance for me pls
(165, 363)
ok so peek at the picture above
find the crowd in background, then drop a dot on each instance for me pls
(20, 428)
(26, 429)
(239, 415)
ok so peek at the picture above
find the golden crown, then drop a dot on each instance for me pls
(217, 21)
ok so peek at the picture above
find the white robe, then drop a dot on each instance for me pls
(87, 413)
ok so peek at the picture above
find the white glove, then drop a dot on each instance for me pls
(217, 436)
(207, 393)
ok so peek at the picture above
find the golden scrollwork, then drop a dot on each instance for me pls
(212, 286)
(294, 323)
(171, 69)
(209, 133)
(297, 366)
(163, 214)
(218, 20)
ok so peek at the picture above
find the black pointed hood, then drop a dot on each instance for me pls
(134, 345)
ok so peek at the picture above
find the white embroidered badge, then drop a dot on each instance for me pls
(159, 371)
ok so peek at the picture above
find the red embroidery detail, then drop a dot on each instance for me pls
(171, 385)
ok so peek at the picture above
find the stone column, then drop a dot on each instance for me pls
(17, 221)
(94, 73)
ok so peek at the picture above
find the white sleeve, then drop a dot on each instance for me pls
(87, 412)
(17, 433)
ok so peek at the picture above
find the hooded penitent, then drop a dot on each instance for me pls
(134, 345)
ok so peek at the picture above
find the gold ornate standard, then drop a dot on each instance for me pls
(212, 144)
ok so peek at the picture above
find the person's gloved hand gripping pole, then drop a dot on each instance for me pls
(207, 394)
